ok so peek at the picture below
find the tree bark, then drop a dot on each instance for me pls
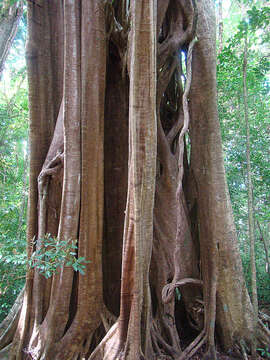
(132, 332)
(215, 213)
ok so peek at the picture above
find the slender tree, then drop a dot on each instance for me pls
(265, 241)
(116, 91)
(10, 15)
(250, 190)
(220, 26)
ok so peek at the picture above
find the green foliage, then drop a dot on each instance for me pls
(178, 294)
(13, 172)
(12, 271)
(264, 353)
(13, 187)
(255, 26)
(263, 278)
(48, 258)
(53, 255)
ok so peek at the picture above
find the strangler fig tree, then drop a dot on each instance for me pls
(126, 158)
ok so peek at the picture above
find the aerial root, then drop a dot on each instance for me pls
(194, 346)
(8, 325)
(263, 334)
(263, 328)
(160, 344)
(168, 290)
(86, 345)
(100, 349)
(107, 318)
(7, 335)
(4, 353)
(264, 317)
(243, 349)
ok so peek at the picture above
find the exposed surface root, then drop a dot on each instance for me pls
(264, 318)
(161, 346)
(263, 335)
(101, 350)
(4, 353)
(108, 319)
(12, 313)
(243, 350)
(194, 346)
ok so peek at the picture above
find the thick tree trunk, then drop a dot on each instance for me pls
(181, 283)
(130, 338)
(73, 165)
(219, 250)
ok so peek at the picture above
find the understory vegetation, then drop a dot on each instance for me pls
(13, 173)
(231, 113)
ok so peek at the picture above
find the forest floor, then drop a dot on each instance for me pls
(220, 356)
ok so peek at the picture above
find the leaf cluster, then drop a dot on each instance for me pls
(53, 254)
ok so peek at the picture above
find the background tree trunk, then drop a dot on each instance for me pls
(265, 241)
(250, 194)
(10, 16)
(220, 26)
